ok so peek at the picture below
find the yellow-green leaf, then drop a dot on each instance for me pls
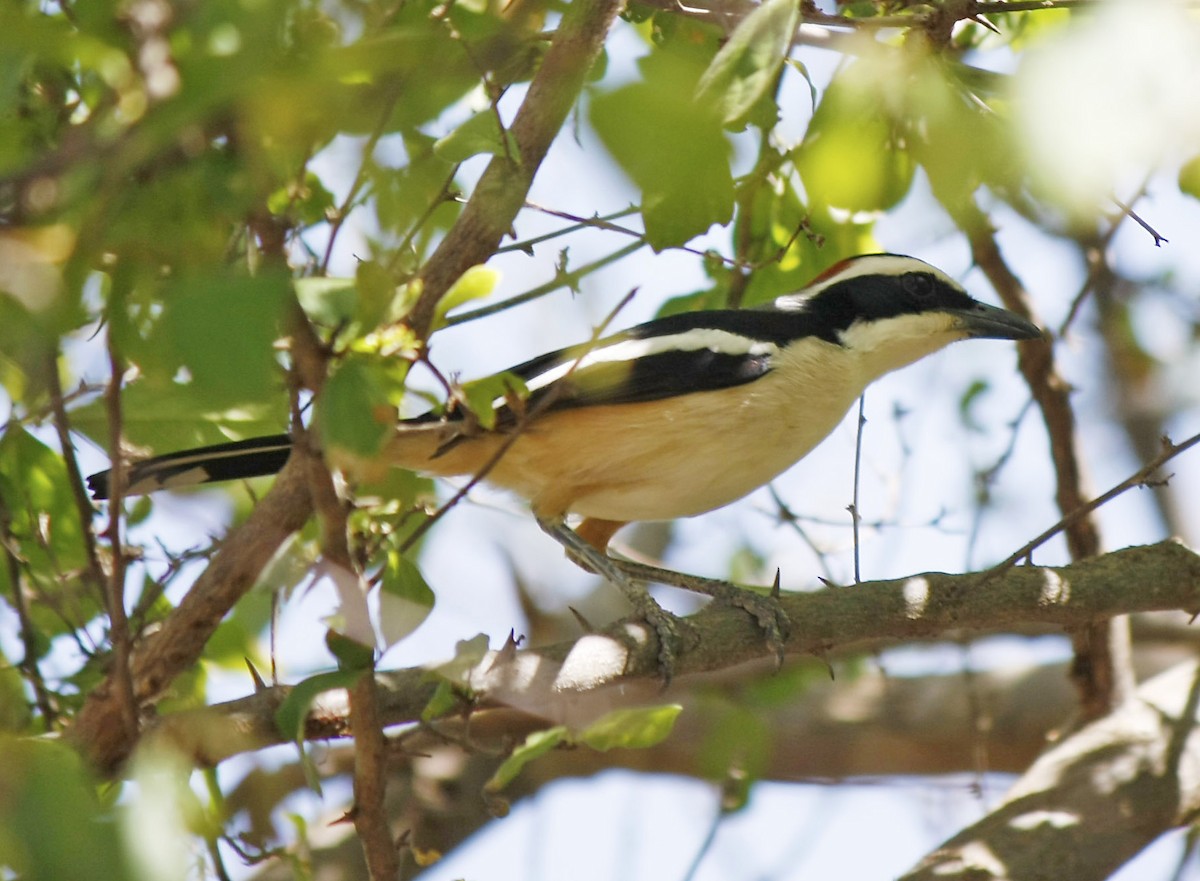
(636, 728)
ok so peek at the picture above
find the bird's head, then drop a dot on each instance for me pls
(894, 310)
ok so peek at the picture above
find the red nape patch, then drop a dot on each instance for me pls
(832, 270)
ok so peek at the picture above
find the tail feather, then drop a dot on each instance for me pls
(233, 461)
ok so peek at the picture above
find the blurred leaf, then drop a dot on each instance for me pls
(468, 654)
(162, 415)
(293, 712)
(160, 822)
(419, 191)
(637, 728)
(25, 346)
(536, 744)
(405, 599)
(203, 316)
(306, 203)
(672, 148)
(330, 302)
(352, 654)
(709, 298)
(746, 69)
(792, 242)
(852, 156)
(479, 134)
(15, 712)
(967, 403)
(1189, 177)
(445, 698)
(737, 737)
(377, 294)
(474, 284)
(49, 800)
(45, 533)
(481, 395)
(355, 412)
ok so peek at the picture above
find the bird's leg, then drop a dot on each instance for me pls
(766, 609)
(666, 626)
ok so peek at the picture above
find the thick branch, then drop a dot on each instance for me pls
(1096, 799)
(574, 682)
(502, 189)
(174, 648)
(1102, 671)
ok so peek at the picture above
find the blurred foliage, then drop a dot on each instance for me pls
(164, 204)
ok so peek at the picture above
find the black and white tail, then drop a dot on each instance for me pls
(255, 457)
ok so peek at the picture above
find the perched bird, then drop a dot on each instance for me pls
(670, 418)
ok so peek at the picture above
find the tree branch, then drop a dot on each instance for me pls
(574, 682)
(505, 183)
(1102, 648)
(1095, 800)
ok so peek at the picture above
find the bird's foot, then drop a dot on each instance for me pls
(672, 632)
(766, 609)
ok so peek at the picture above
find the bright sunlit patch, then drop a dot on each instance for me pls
(1055, 589)
(593, 659)
(916, 597)
(1034, 819)
(1109, 98)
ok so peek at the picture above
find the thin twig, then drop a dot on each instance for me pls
(854, 510)
(1159, 239)
(343, 210)
(599, 222)
(560, 280)
(93, 572)
(28, 632)
(1141, 477)
(118, 622)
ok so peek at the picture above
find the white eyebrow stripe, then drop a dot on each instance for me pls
(872, 264)
(722, 342)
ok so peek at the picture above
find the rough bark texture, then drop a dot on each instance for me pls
(1093, 801)
(577, 681)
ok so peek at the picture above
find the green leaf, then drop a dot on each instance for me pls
(293, 712)
(479, 134)
(49, 798)
(309, 203)
(480, 395)
(635, 728)
(853, 156)
(355, 412)
(45, 532)
(445, 698)
(352, 655)
(327, 301)
(672, 148)
(15, 712)
(746, 69)
(1189, 177)
(967, 404)
(377, 294)
(536, 744)
(405, 599)
(203, 315)
(474, 284)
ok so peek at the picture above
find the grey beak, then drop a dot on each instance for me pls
(982, 321)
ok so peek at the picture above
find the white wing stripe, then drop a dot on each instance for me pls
(722, 342)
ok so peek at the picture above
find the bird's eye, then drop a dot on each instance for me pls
(919, 284)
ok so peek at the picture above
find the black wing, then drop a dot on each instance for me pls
(678, 355)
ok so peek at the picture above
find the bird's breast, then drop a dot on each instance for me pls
(678, 457)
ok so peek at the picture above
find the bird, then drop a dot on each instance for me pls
(671, 418)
